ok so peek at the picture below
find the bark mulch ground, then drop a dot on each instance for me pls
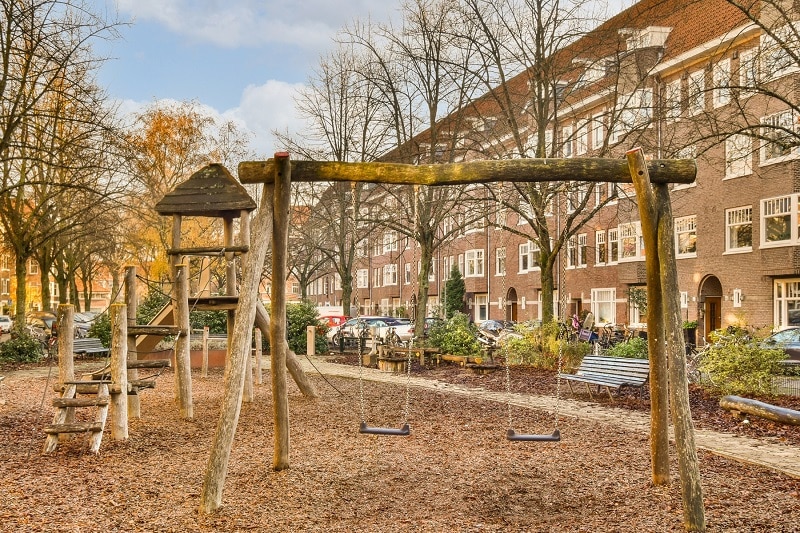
(456, 472)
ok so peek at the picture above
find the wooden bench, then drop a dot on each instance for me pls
(89, 346)
(610, 373)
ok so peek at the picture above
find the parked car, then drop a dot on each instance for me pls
(42, 321)
(5, 324)
(430, 321)
(787, 340)
(360, 327)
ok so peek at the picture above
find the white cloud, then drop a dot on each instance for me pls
(308, 24)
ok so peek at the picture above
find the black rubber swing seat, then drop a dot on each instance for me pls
(402, 432)
(513, 435)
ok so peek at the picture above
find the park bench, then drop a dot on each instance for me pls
(610, 373)
(89, 346)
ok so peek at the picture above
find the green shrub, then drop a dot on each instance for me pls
(634, 348)
(540, 347)
(21, 349)
(455, 336)
(740, 367)
(101, 328)
(298, 318)
(150, 306)
(217, 321)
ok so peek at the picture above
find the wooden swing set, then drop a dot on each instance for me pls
(668, 383)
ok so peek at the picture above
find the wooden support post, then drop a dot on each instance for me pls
(669, 314)
(134, 406)
(311, 333)
(183, 371)
(66, 357)
(277, 330)
(204, 371)
(119, 371)
(216, 471)
(247, 395)
(259, 356)
(230, 275)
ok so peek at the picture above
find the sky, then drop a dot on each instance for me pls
(243, 60)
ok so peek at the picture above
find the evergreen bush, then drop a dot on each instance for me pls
(455, 336)
(22, 348)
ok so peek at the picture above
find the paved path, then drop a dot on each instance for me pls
(771, 455)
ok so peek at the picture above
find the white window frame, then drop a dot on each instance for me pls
(576, 251)
(781, 207)
(630, 242)
(786, 298)
(600, 248)
(474, 263)
(748, 69)
(481, 306)
(390, 242)
(721, 76)
(598, 131)
(362, 278)
(613, 246)
(738, 156)
(673, 101)
(776, 62)
(777, 123)
(500, 262)
(566, 142)
(686, 236)
(696, 100)
(604, 305)
(738, 219)
(377, 273)
(582, 139)
(33, 267)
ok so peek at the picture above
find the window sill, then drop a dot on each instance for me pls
(738, 251)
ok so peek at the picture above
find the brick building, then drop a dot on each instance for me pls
(682, 80)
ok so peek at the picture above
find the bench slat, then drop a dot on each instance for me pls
(611, 372)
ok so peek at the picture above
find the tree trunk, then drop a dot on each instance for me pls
(253, 261)
(119, 375)
(183, 371)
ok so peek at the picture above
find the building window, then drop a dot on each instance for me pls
(407, 274)
(566, 141)
(362, 278)
(686, 236)
(500, 262)
(390, 274)
(461, 263)
(672, 101)
(739, 229)
(738, 156)
(630, 239)
(376, 277)
(634, 111)
(779, 221)
(582, 139)
(33, 267)
(787, 303)
(604, 305)
(5, 262)
(390, 242)
(776, 61)
(473, 263)
(481, 307)
(613, 246)
(748, 68)
(5, 286)
(598, 131)
(576, 251)
(600, 249)
(722, 83)
(778, 132)
(576, 196)
(528, 257)
(432, 273)
(696, 101)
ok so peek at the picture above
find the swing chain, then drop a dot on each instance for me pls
(353, 193)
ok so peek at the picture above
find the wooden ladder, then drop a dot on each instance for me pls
(66, 405)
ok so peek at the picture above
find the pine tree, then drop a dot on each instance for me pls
(455, 290)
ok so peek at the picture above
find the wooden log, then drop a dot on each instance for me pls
(217, 467)
(100, 419)
(183, 371)
(79, 402)
(277, 331)
(84, 427)
(761, 409)
(158, 331)
(131, 300)
(148, 363)
(516, 170)
(119, 371)
(59, 418)
(670, 314)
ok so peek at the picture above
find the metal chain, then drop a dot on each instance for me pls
(358, 311)
(415, 286)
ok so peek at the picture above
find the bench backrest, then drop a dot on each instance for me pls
(637, 370)
(88, 343)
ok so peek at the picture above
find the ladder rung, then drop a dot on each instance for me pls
(79, 402)
(150, 363)
(88, 427)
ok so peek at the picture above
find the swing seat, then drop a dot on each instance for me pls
(403, 431)
(513, 435)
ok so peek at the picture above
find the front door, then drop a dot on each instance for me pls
(713, 314)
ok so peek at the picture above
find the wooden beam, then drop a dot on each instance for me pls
(516, 170)
(208, 250)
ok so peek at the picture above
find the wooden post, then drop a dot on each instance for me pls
(119, 372)
(277, 330)
(659, 389)
(248, 378)
(134, 406)
(230, 275)
(253, 263)
(66, 357)
(204, 371)
(259, 354)
(311, 333)
(183, 371)
(670, 316)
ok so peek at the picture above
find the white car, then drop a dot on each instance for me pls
(389, 329)
(5, 324)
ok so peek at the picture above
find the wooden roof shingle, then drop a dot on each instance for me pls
(212, 191)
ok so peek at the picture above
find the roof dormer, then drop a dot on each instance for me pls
(645, 38)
